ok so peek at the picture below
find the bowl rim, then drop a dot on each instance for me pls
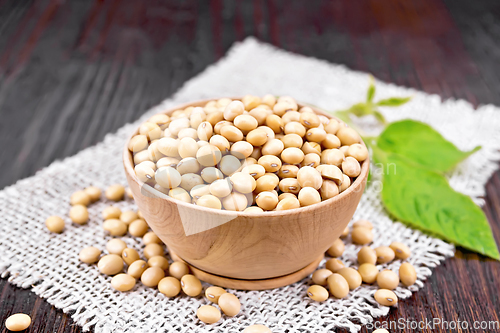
(358, 183)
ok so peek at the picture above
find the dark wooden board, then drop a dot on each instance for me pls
(72, 71)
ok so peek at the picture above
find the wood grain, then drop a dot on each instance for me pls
(72, 71)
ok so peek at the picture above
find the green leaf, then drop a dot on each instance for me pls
(371, 91)
(393, 101)
(380, 117)
(421, 144)
(423, 199)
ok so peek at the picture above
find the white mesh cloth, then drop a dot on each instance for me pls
(30, 256)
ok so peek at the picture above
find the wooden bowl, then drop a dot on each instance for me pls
(243, 246)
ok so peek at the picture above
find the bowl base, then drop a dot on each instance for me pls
(240, 284)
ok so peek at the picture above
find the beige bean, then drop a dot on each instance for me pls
(407, 274)
(209, 201)
(129, 255)
(213, 293)
(320, 276)
(123, 282)
(331, 141)
(211, 174)
(258, 137)
(116, 246)
(188, 181)
(93, 192)
(361, 235)
(138, 228)
(316, 135)
(254, 170)
(128, 216)
(152, 250)
(242, 149)
(333, 126)
(311, 159)
(309, 119)
(386, 297)
(220, 142)
(387, 279)
(367, 255)
(80, 198)
(235, 202)
(191, 285)
(208, 314)
(54, 224)
(351, 167)
(338, 285)
(334, 265)
(111, 212)
(357, 151)
(294, 127)
(229, 304)
(199, 190)
(208, 155)
(332, 157)
(345, 233)
(150, 238)
(243, 182)
(384, 254)
(188, 165)
(233, 109)
(311, 148)
(401, 251)
(205, 130)
(329, 189)
(151, 130)
(257, 329)
(110, 264)
(232, 133)
(158, 261)
(138, 143)
(368, 272)
(289, 185)
(292, 140)
(288, 171)
(89, 255)
(136, 268)
(288, 203)
(273, 147)
(363, 223)
(348, 136)
(178, 269)
(336, 249)
(18, 322)
(152, 276)
(245, 122)
(253, 210)
(115, 227)
(352, 277)
(346, 182)
(169, 286)
(115, 192)
(309, 177)
(317, 293)
(266, 200)
(79, 214)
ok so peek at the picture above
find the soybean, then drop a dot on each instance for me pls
(54, 224)
(320, 276)
(407, 274)
(386, 297)
(89, 255)
(18, 322)
(169, 286)
(352, 277)
(338, 285)
(123, 282)
(191, 285)
(317, 293)
(213, 293)
(208, 314)
(152, 276)
(178, 269)
(229, 304)
(387, 279)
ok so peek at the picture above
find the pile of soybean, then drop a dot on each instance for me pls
(254, 154)
(340, 279)
(125, 264)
